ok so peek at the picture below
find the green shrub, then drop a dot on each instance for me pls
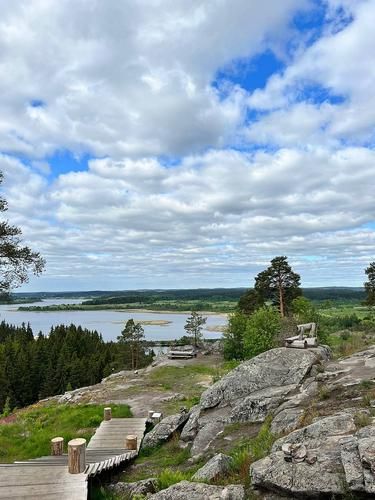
(261, 331)
(252, 450)
(169, 477)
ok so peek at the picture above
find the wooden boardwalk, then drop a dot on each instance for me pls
(47, 478)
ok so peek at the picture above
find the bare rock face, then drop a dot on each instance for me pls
(164, 430)
(325, 476)
(186, 490)
(191, 427)
(219, 465)
(275, 368)
(328, 457)
(328, 429)
(287, 420)
(205, 437)
(129, 490)
(249, 393)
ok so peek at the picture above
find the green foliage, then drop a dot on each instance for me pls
(168, 477)
(370, 284)
(279, 284)
(251, 450)
(261, 331)
(69, 357)
(42, 423)
(194, 325)
(16, 260)
(7, 409)
(233, 336)
(249, 302)
(132, 339)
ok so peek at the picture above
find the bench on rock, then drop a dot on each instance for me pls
(302, 341)
(181, 352)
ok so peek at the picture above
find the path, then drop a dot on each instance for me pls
(47, 478)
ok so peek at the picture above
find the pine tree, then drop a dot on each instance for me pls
(132, 336)
(370, 284)
(15, 260)
(279, 284)
(194, 325)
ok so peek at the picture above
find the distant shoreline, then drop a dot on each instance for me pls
(79, 307)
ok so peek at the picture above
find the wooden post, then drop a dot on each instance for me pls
(150, 413)
(57, 446)
(108, 413)
(131, 442)
(77, 456)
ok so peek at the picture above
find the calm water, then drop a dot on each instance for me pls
(108, 323)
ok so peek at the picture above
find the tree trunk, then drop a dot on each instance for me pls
(281, 299)
(108, 413)
(57, 446)
(131, 442)
(77, 456)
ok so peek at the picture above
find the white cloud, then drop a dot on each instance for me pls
(342, 62)
(132, 81)
(130, 78)
(216, 218)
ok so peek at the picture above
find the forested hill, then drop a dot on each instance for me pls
(32, 367)
(95, 297)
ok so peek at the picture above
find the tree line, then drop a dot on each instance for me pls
(269, 312)
(68, 358)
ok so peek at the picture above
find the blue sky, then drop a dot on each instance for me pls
(185, 145)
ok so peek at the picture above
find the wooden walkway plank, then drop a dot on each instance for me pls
(47, 478)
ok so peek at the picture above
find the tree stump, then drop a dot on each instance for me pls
(57, 446)
(131, 442)
(77, 456)
(108, 413)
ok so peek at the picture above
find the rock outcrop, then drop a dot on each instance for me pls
(164, 430)
(186, 490)
(250, 392)
(328, 457)
(219, 465)
(130, 490)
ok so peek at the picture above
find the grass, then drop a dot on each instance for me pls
(151, 462)
(29, 435)
(324, 393)
(249, 451)
(168, 477)
(362, 419)
(190, 380)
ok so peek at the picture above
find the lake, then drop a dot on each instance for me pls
(108, 323)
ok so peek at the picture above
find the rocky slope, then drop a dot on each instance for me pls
(322, 411)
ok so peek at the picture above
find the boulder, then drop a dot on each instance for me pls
(249, 392)
(129, 490)
(191, 427)
(275, 368)
(257, 406)
(351, 462)
(219, 465)
(366, 449)
(320, 433)
(287, 420)
(323, 477)
(164, 430)
(186, 490)
(205, 437)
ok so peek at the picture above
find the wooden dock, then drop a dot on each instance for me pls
(47, 478)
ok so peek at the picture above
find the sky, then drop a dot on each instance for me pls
(175, 144)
